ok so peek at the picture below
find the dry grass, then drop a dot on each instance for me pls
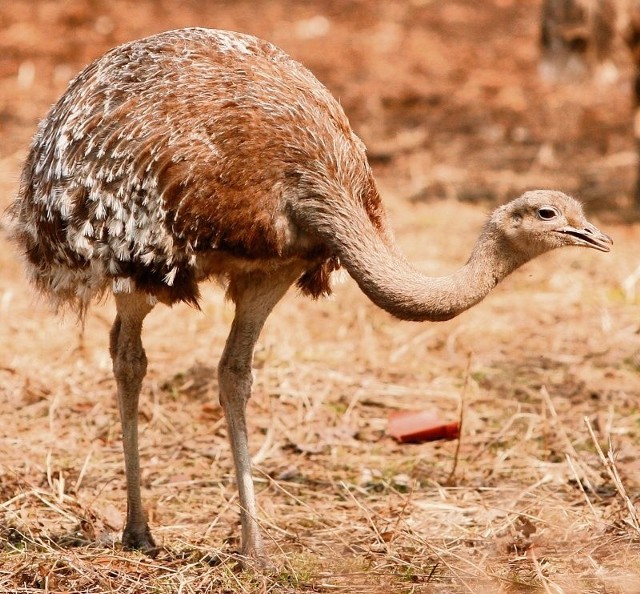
(540, 500)
(532, 506)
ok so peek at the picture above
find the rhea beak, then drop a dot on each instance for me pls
(588, 236)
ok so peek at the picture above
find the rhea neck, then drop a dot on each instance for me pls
(385, 276)
(395, 286)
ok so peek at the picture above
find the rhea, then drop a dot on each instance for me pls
(195, 154)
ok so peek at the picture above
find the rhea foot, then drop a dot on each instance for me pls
(256, 558)
(261, 563)
(139, 540)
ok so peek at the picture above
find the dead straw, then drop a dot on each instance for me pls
(463, 393)
(609, 464)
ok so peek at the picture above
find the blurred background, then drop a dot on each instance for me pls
(446, 95)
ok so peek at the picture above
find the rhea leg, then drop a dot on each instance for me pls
(129, 368)
(255, 296)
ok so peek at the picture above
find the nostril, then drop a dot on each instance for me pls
(587, 230)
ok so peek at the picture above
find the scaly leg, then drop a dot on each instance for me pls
(255, 296)
(129, 368)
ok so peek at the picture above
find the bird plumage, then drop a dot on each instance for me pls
(172, 150)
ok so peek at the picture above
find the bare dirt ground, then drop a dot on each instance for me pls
(448, 99)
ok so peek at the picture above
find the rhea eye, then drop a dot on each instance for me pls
(578, 45)
(546, 213)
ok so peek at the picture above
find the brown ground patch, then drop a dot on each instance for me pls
(447, 97)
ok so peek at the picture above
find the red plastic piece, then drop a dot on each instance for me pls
(420, 426)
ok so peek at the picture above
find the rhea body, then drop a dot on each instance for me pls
(199, 153)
